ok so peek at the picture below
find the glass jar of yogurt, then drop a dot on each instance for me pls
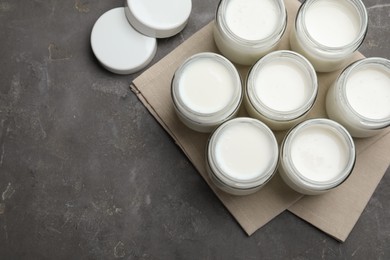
(246, 30)
(206, 91)
(316, 156)
(328, 32)
(241, 156)
(360, 97)
(281, 88)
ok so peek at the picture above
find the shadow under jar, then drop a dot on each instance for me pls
(206, 91)
(328, 32)
(246, 30)
(360, 97)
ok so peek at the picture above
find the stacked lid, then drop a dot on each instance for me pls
(124, 39)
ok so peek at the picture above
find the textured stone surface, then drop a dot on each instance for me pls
(86, 172)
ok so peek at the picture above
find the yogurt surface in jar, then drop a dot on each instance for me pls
(252, 19)
(242, 156)
(206, 91)
(328, 32)
(318, 153)
(332, 23)
(246, 30)
(368, 92)
(316, 156)
(282, 93)
(207, 86)
(359, 99)
(244, 151)
(281, 88)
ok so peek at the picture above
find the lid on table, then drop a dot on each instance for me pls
(118, 46)
(157, 18)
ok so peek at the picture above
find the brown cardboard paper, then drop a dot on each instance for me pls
(253, 211)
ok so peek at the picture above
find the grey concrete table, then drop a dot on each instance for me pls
(87, 173)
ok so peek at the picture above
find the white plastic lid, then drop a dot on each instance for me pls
(118, 46)
(158, 18)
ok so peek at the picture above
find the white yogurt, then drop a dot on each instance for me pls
(243, 151)
(319, 153)
(202, 82)
(316, 156)
(246, 30)
(206, 90)
(283, 93)
(281, 88)
(332, 23)
(368, 92)
(242, 155)
(360, 98)
(328, 32)
(252, 19)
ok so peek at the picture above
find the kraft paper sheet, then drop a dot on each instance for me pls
(335, 212)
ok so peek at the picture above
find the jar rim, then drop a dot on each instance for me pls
(270, 40)
(207, 118)
(318, 47)
(271, 113)
(383, 64)
(300, 179)
(227, 179)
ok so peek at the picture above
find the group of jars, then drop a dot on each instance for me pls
(280, 89)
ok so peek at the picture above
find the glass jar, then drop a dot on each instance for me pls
(246, 30)
(206, 91)
(360, 97)
(328, 32)
(241, 156)
(316, 156)
(281, 88)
